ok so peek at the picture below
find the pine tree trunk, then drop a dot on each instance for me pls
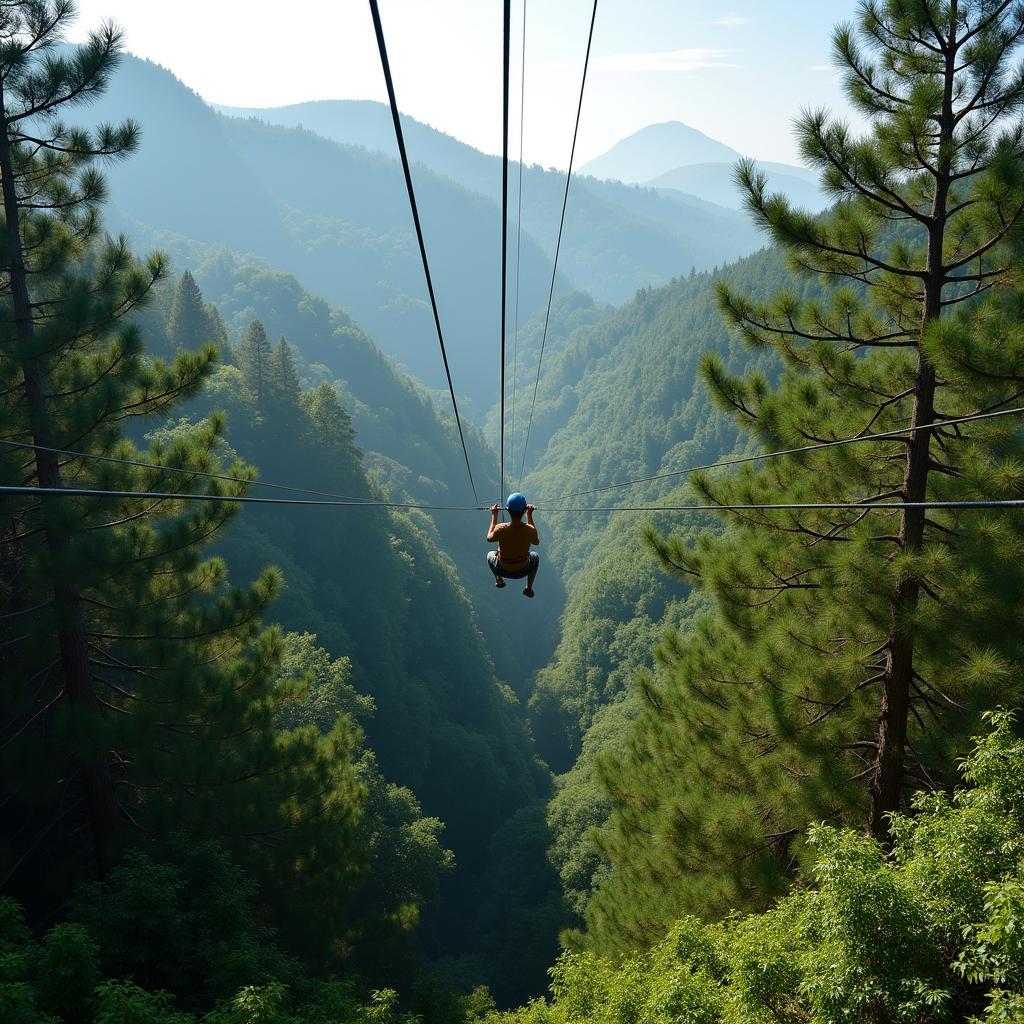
(74, 651)
(887, 784)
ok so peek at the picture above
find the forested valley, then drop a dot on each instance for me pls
(274, 749)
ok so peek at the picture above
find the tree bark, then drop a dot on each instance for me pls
(888, 779)
(94, 765)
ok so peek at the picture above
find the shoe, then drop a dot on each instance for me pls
(499, 582)
(527, 592)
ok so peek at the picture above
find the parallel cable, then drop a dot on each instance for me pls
(385, 64)
(137, 464)
(519, 241)
(742, 460)
(506, 36)
(95, 492)
(852, 506)
(558, 243)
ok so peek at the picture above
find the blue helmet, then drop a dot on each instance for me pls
(516, 502)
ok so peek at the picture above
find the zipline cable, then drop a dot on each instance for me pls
(506, 37)
(519, 242)
(884, 436)
(385, 64)
(96, 457)
(558, 243)
(852, 506)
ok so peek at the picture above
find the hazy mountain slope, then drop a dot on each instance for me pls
(621, 399)
(656, 149)
(408, 439)
(367, 123)
(714, 182)
(337, 217)
(617, 238)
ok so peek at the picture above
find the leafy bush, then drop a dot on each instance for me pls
(931, 931)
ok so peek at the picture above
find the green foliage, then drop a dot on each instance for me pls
(180, 917)
(377, 593)
(622, 400)
(848, 655)
(868, 938)
(189, 323)
(151, 692)
(254, 358)
(58, 979)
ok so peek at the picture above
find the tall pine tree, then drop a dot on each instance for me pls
(851, 652)
(253, 356)
(282, 382)
(188, 325)
(141, 693)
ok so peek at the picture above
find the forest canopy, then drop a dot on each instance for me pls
(754, 752)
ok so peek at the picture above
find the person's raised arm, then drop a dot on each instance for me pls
(530, 523)
(494, 523)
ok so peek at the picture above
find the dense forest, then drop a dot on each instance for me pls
(272, 748)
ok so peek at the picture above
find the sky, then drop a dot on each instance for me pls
(739, 70)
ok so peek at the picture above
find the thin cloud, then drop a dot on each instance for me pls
(695, 58)
(730, 21)
(821, 67)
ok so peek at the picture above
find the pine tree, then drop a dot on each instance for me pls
(141, 692)
(851, 652)
(331, 421)
(282, 378)
(253, 356)
(216, 329)
(188, 325)
(41, 173)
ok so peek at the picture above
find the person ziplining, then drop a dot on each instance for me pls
(513, 559)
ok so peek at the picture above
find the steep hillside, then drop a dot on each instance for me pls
(617, 238)
(335, 216)
(380, 587)
(620, 399)
(409, 441)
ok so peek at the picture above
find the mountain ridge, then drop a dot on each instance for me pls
(656, 149)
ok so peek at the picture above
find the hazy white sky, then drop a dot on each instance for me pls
(738, 70)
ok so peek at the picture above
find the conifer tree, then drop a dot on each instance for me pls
(50, 194)
(283, 377)
(188, 325)
(216, 329)
(330, 420)
(851, 652)
(140, 690)
(253, 357)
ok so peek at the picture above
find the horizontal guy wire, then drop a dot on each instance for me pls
(179, 469)
(741, 460)
(94, 492)
(853, 506)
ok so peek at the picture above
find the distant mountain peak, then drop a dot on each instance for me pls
(657, 149)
